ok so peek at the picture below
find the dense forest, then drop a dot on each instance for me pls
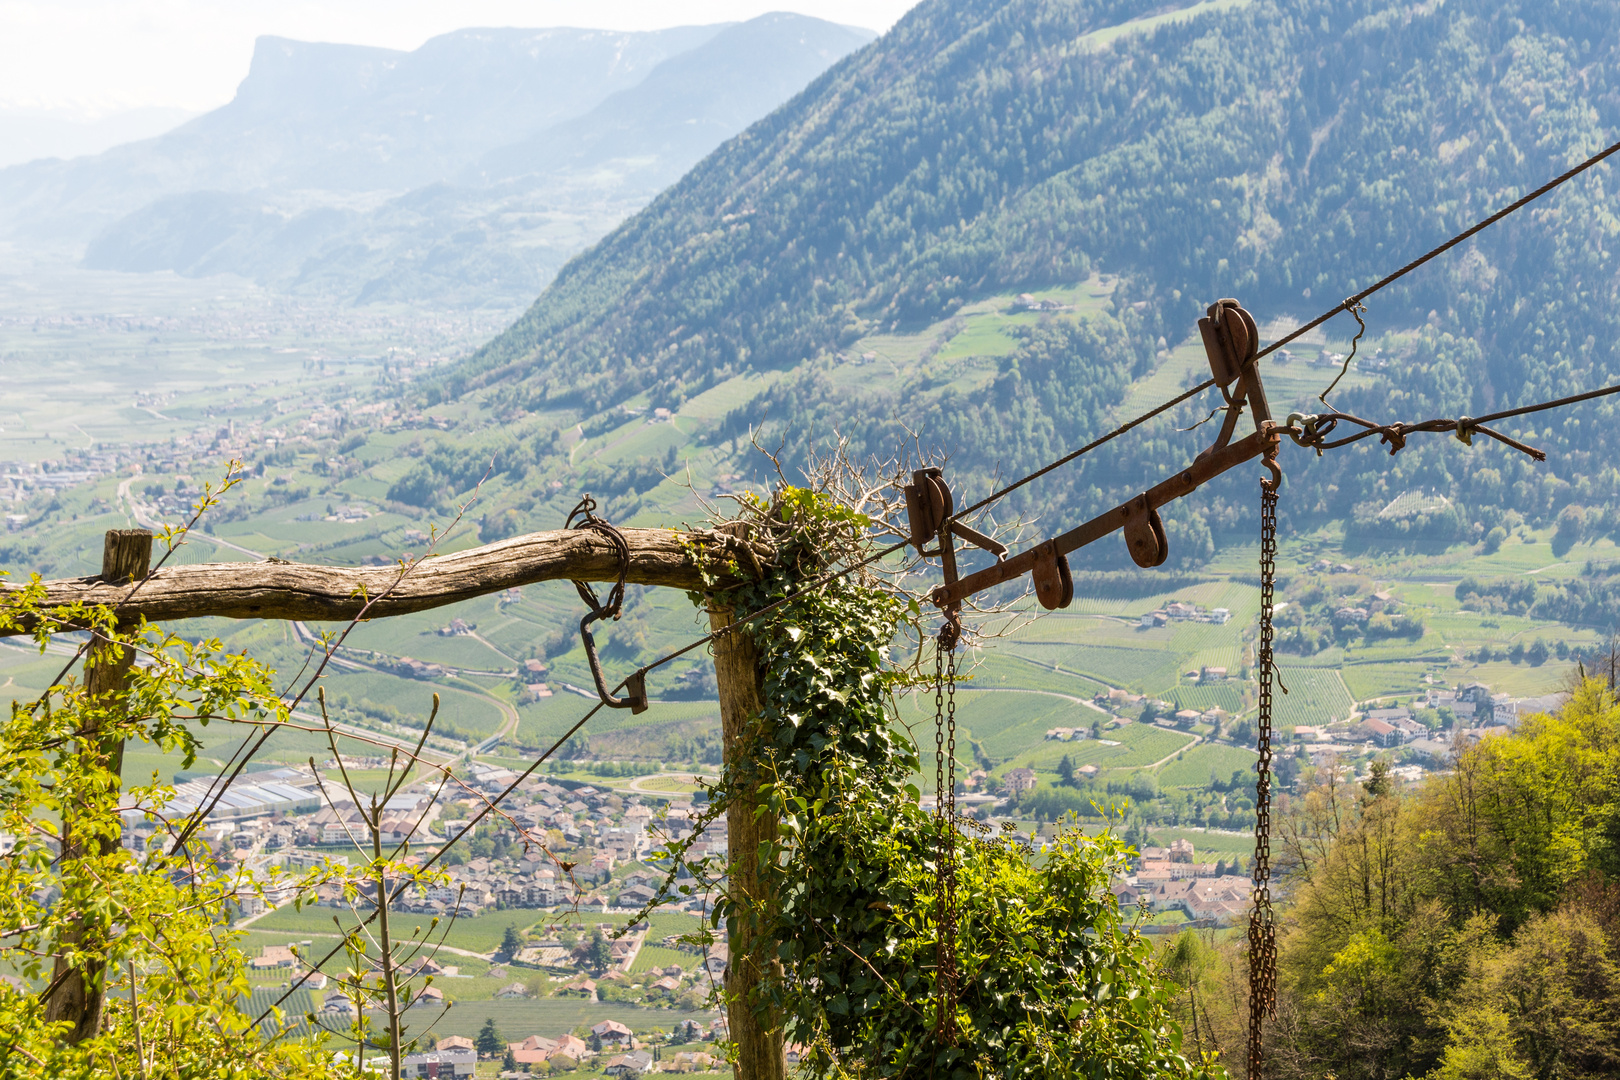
(1283, 151)
(1464, 929)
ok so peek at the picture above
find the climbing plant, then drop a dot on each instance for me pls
(1055, 981)
(147, 922)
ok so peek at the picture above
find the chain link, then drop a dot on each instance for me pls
(945, 819)
(1262, 928)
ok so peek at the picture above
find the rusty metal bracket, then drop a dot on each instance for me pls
(635, 685)
(584, 516)
(1231, 340)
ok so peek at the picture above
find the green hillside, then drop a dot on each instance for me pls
(850, 261)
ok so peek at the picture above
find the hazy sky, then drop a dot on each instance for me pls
(99, 56)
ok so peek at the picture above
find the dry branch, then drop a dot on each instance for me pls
(281, 590)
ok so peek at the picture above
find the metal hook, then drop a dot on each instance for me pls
(1270, 432)
(635, 685)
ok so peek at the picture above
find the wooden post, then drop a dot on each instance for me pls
(760, 1053)
(77, 998)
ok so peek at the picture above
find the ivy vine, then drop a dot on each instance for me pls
(1054, 980)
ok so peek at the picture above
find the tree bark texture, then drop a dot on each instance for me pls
(760, 1052)
(77, 998)
(283, 590)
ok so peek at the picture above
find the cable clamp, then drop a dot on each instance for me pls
(1465, 430)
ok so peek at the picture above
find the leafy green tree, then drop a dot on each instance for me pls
(1065, 771)
(144, 930)
(1378, 783)
(511, 942)
(488, 1042)
(599, 954)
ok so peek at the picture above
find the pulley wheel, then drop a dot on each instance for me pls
(1054, 584)
(1144, 537)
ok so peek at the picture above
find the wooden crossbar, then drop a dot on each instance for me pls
(308, 592)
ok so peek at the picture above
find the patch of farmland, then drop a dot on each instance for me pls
(1194, 768)
(1203, 698)
(1147, 743)
(656, 956)
(1144, 670)
(1366, 681)
(1006, 722)
(1315, 696)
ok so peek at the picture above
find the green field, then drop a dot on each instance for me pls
(1315, 695)
(1227, 696)
(656, 956)
(480, 933)
(1139, 745)
(1194, 768)
(1148, 669)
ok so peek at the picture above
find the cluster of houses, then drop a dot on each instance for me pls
(532, 674)
(281, 821)
(1126, 706)
(1184, 612)
(612, 1049)
(1468, 712)
(1166, 879)
(1030, 302)
(1357, 612)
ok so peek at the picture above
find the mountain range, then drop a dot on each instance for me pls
(1286, 152)
(464, 172)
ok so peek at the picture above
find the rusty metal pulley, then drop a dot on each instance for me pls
(1231, 340)
(1054, 584)
(928, 505)
(1144, 534)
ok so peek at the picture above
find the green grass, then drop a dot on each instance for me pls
(1194, 768)
(1007, 668)
(1367, 681)
(1207, 846)
(1148, 669)
(479, 933)
(1139, 744)
(1005, 722)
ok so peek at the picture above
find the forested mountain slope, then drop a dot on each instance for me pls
(1283, 151)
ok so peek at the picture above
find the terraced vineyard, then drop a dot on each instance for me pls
(1315, 696)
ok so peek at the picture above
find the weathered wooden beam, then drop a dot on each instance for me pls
(283, 590)
(78, 994)
(757, 1034)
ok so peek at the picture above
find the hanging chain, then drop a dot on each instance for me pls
(1262, 929)
(945, 816)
